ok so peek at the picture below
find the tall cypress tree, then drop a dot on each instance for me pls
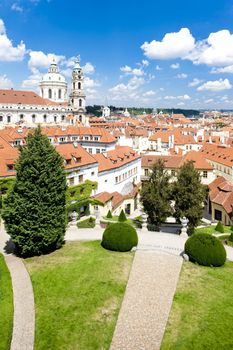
(189, 195)
(156, 194)
(34, 211)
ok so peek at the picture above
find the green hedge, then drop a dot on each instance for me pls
(119, 237)
(88, 223)
(205, 249)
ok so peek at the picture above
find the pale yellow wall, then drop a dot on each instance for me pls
(225, 217)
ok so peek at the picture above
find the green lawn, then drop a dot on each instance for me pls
(78, 292)
(201, 315)
(211, 229)
(6, 306)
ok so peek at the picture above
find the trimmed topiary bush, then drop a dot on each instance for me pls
(119, 237)
(122, 216)
(205, 249)
(109, 215)
(219, 227)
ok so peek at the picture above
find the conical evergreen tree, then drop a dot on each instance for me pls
(189, 195)
(122, 217)
(156, 193)
(34, 211)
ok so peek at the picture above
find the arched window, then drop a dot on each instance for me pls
(80, 103)
(55, 119)
(33, 118)
(50, 93)
(1, 118)
(63, 118)
(80, 118)
(8, 119)
(59, 94)
(45, 118)
(79, 86)
(21, 117)
(73, 86)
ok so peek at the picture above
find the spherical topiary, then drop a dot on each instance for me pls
(120, 237)
(205, 249)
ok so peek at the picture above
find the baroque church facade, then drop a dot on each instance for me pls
(53, 105)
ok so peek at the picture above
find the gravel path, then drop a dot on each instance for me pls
(24, 309)
(147, 301)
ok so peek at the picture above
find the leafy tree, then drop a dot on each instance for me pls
(189, 195)
(122, 216)
(156, 194)
(34, 211)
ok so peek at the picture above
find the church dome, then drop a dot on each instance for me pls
(53, 75)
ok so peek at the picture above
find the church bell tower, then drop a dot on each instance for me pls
(77, 96)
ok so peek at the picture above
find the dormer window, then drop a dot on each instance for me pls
(10, 167)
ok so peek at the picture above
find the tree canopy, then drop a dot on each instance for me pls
(156, 194)
(189, 194)
(34, 211)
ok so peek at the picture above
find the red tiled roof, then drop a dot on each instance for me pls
(24, 97)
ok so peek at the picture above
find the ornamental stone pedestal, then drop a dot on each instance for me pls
(73, 217)
(144, 222)
(184, 222)
(97, 218)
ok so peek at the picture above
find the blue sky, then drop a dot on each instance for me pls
(147, 53)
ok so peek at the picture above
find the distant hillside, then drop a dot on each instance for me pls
(96, 110)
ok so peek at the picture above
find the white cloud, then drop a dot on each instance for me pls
(39, 59)
(216, 50)
(149, 93)
(5, 83)
(88, 68)
(195, 82)
(173, 45)
(145, 63)
(216, 85)
(227, 69)
(7, 51)
(209, 100)
(134, 71)
(182, 76)
(175, 65)
(90, 83)
(129, 91)
(158, 67)
(32, 82)
(180, 104)
(16, 7)
(182, 97)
